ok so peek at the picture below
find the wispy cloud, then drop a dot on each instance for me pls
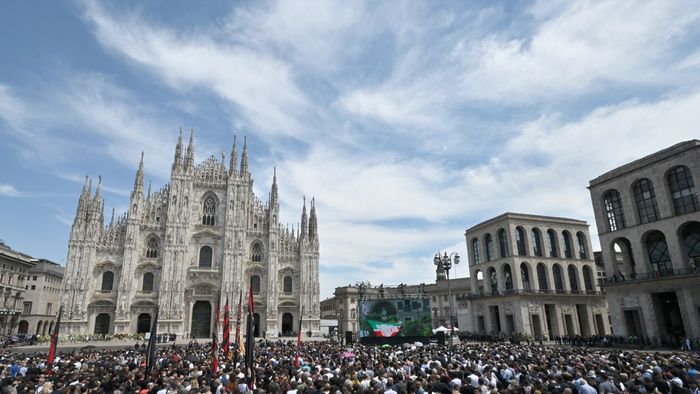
(10, 191)
(257, 84)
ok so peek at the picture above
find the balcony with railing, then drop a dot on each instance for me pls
(511, 293)
(620, 279)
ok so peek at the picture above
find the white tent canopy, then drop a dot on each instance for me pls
(444, 329)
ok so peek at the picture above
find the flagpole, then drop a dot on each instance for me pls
(296, 359)
(151, 349)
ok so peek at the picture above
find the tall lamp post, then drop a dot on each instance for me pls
(446, 262)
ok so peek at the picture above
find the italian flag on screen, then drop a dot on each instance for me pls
(382, 329)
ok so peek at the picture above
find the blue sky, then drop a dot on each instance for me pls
(408, 121)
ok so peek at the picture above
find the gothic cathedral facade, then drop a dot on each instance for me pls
(185, 249)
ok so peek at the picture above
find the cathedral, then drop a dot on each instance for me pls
(185, 249)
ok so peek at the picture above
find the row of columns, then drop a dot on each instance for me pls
(534, 278)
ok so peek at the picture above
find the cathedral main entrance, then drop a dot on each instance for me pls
(201, 319)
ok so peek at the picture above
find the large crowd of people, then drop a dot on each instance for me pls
(330, 367)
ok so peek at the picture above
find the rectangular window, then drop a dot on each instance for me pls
(34, 277)
(49, 307)
(33, 287)
(27, 308)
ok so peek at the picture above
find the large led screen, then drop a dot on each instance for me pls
(395, 317)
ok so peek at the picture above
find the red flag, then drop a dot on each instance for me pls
(226, 339)
(54, 339)
(215, 343)
(296, 359)
(250, 342)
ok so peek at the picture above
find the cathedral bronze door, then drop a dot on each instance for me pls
(201, 319)
(143, 323)
(102, 324)
(287, 324)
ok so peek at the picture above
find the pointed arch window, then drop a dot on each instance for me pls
(680, 181)
(107, 281)
(209, 211)
(255, 284)
(489, 248)
(256, 253)
(646, 201)
(148, 282)
(152, 248)
(536, 242)
(613, 210)
(288, 285)
(520, 241)
(475, 251)
(581, 239)
(503, 243)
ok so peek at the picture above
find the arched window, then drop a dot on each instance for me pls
(525, 276)
(552, 247)
(152, 248)
(587, 278)
(646, 201)
(613, 210)
(209, 211)
(205, 256)
(520, 241)
(581, 239)
(147, 282)
(489, 247)
(691, 242)
(255, 284)
(256, 253)
(107, 281)
(558, 279)
(287, 284)
(542, 276)
(508, 277)
(680, 181)
(503, 243)
(573, 278)
(493, 277)
(536, 242)
(567, 245)
(475, 251)
(657, 249)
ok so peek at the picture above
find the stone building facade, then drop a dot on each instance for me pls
(41, 298)
(185, 248)
(14, 268)
(534, 275)
(648, 219)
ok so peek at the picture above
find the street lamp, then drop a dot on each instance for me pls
(446, 262)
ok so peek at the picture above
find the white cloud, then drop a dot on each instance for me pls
(257, 84)
(574, 49)
(10, 191)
